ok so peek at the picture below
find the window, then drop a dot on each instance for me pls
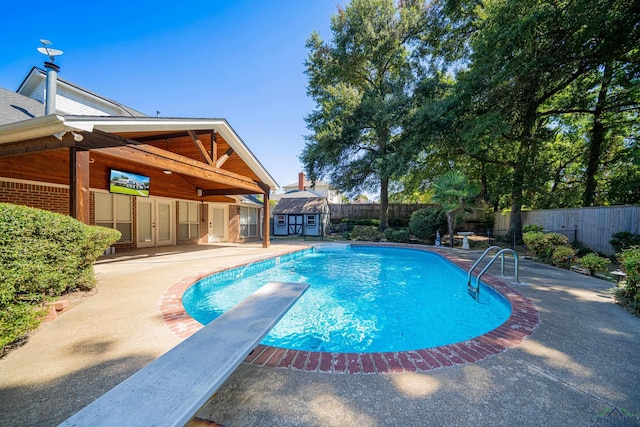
(114, 211)
(311, 220)
(189, 220)
(280, 220)
(248, 222)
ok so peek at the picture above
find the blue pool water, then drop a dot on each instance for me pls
(361, 299)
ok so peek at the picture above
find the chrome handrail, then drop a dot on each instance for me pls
(475, 291)
(478, 262)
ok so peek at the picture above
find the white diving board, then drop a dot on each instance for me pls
(170, 390)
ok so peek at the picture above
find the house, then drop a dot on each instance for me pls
(65, 149)
(301, 216)
(319, 189)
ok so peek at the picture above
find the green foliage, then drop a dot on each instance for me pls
(397, 236)
(360, 221)
(543, 245)
(43, 254)
(16, 320)
(624, 240)
(364, 232)
(453, 192)
(532, 227)
(629, 294)
(580, 248)
(361, 83)
(424, 223)
(543, 109)
(562, 256)
(594, 263)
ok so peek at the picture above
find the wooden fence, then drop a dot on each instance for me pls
(397, 211)
(593, 227)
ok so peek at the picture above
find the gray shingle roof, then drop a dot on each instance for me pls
(15, 107)
(309, 205)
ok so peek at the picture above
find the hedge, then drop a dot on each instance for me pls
(42, 255)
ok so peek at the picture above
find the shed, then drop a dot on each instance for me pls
(301, 216)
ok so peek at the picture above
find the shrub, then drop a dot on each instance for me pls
(351, 223)
(543, 245)
(16, 320)
(562, 256)
(629, 294)
(425, 222)
(43, 254)
(624, 240)
(594, 263)
(580, 248)
(398, 236)
(532, 227)
(364, 232)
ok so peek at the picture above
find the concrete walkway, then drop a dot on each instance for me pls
(580, 367)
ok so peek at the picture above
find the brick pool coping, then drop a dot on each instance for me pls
(522, 322)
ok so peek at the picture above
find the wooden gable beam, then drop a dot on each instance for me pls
(214, 146)
(166, 160)
(34, 146)
(227, 192)
(164, 136)
(198, 143)
(224, 158)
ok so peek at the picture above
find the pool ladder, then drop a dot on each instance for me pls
(474, 291)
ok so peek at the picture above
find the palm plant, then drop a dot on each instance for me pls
(453, 192)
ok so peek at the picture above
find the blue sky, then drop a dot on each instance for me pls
(238, 60)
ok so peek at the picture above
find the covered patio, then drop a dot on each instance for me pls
(200, 160)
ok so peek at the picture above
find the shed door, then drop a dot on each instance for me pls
(295, 224)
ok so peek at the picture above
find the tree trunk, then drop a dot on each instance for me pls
(384, 204)
(451, 216)
(597, 142)
(516, 197)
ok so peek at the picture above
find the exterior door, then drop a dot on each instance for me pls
(164, 215)
(218, 219)
(295, 224)
(154, 222)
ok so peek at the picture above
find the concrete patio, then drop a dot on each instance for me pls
(580, 367)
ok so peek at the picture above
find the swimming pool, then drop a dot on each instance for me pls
(361, 299)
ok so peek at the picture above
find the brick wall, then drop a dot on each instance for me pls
(54, 199)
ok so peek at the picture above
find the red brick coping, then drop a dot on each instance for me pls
(522, 322)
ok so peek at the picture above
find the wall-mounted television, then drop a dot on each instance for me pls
(122, 182)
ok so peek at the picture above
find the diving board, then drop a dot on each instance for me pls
(170, 390)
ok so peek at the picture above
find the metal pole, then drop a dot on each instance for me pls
(52, 81)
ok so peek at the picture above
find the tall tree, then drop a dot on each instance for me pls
(362, 83)
(522, 53)
(607, 102)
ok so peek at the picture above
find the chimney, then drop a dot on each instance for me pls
(301, 181)
(52, 83)
(52, 76)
